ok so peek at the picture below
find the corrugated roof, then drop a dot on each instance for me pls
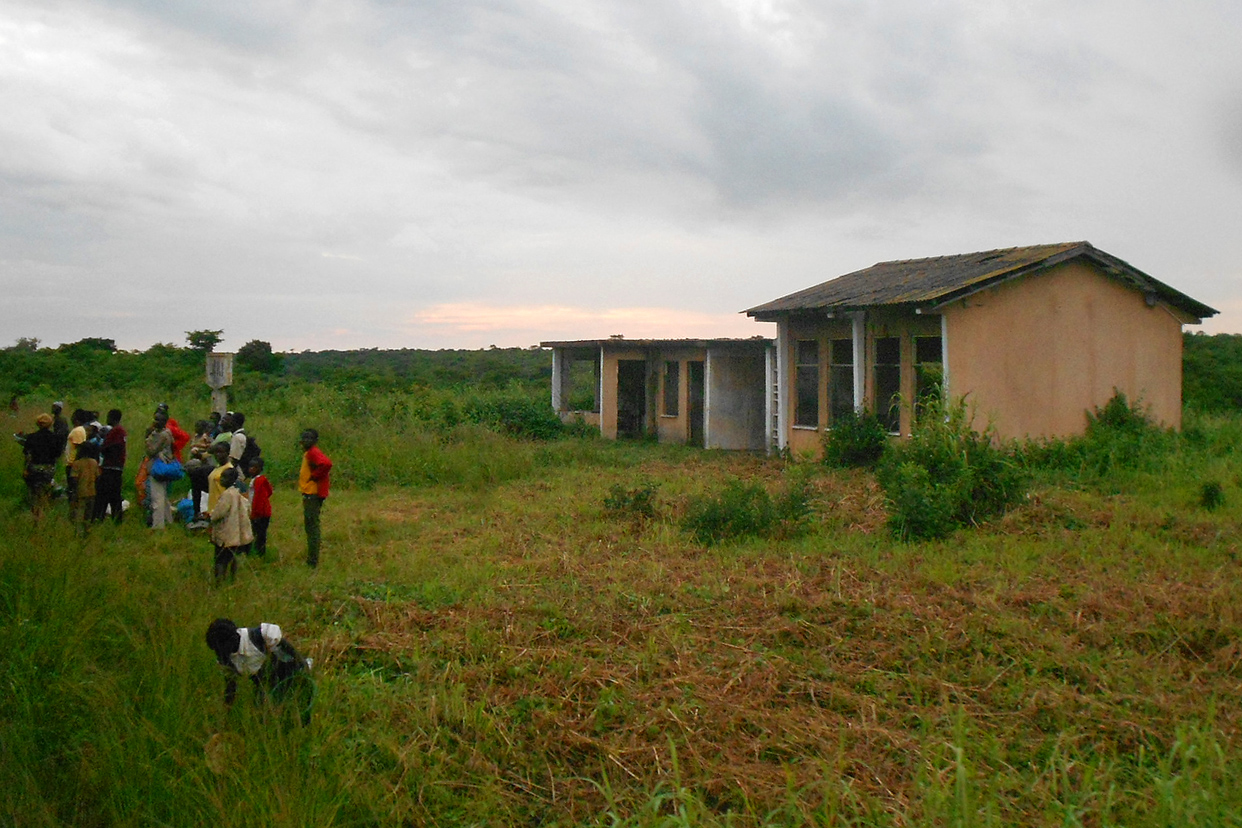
(932, 282)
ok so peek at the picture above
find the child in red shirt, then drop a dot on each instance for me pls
(260, 505)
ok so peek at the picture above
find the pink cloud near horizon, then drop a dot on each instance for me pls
(528, 324)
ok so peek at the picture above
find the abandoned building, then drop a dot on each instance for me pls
(1032, 338)
(701, 392)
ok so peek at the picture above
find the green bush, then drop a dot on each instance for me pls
(1118, 437)
(515, 413)
(747, 510)
(947, 475)
(855, 441)
(1118, 415)
(1211, 495)
(639, 502)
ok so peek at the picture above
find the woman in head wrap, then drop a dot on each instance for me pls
(42, 451)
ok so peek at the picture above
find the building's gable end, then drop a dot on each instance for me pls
(927, 284)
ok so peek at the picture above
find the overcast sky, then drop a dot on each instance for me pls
(464, 173)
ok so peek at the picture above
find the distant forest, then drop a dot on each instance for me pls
(1212, 378)
(27, 369)
(494, 367)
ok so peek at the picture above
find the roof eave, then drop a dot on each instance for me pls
(1117, 268)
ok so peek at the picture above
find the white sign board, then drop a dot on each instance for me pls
(219, 370)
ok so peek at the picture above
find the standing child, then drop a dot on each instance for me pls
(313, 483)
(85, 474)
(260, 505)
(220, 455)
(230, 526)
(75, 438)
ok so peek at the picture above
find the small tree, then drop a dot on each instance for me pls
(204, 341)
(28, 344)
(256, 355)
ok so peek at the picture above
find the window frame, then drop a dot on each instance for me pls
(840, 379)
(888, 411)
(670, 379)
(806, 383)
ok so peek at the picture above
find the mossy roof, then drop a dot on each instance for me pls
(930, 283)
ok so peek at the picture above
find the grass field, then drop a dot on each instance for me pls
(495, 647)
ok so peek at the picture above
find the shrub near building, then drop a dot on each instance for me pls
(947, 475)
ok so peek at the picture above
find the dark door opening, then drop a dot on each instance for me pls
(631, 397)
(697, 393)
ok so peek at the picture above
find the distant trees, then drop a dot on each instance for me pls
(374, 368)
(90, 343)
(94, 363)
(1212, 372)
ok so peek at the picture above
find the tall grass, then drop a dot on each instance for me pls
(495, 647)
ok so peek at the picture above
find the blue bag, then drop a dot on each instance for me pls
(166, 471)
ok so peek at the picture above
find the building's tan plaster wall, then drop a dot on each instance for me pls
(608, 396)
(675, 429)
(1033, 355)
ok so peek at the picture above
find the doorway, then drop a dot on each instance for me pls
(697, 394)
(631, 397)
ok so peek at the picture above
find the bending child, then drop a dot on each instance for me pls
(263, 655)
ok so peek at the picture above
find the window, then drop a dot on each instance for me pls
(928, 370)
(582, 382)
(806, 381)
(672, 387)
(888, 382)
(840, 378)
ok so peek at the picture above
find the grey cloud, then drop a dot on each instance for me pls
(591, 151)
(1229, 130)
(239, 24)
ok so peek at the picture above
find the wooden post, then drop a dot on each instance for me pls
(219, 377)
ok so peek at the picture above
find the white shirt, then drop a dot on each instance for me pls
(237, 446)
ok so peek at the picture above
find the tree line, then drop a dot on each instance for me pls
(1212, 367)
(27, 368)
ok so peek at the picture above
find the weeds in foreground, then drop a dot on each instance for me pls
(637, 503)
(1211, 495)
(743, 510)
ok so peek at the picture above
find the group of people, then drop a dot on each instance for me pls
(223, 462)
(92, 455)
